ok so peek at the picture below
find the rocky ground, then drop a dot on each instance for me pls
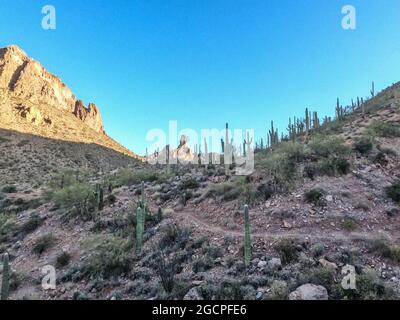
(318, 205)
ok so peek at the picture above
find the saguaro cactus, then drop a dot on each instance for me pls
(139, 229)
(373, 89)
(99, 197)
(5, 285)
(140, 220)
(247, 237)
(227, 151)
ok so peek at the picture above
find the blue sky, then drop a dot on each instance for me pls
(206, 62)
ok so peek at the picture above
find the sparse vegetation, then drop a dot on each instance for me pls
(393, 191)
(383, 249)
(315, 197)
(287, 251)
(384, 129)
(109, 255)
(9, 189)
(43, 243)
(363, 145)
(63, 259)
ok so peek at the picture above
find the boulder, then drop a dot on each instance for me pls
(309, 292)
(192, 294)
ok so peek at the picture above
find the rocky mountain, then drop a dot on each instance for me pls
(34, 101)
(319, 206)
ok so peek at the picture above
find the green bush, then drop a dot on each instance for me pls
(129, 177)
(393, 191)
(78, 196)
(363, 145)
(32, 224)
(174, 237)
(8, 226)
(281, 168)
(279, 290)
(325, 146)
(349, 224)
(189, 184)
(63, 259)
(287, 251)
(385, 129)
(9, 189)
(315, 197)
(380, 247)
(327, 167)
(109, 255)
(43, 243)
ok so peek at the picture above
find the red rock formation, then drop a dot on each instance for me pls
(25, 79)
(90, 115)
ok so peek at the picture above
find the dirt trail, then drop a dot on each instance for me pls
(191, 218)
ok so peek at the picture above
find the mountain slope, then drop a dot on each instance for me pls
(33, 101)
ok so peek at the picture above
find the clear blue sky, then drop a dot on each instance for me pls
(205, 62)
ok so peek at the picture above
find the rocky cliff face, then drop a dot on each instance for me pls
(25, 79)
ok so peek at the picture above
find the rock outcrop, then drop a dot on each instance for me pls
(27, 80)
(90, 115)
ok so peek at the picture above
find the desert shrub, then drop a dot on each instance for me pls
(203, 264)
(315, 197)
(370, 287)
(190, 183)
(78, 196)
(287, 251)
(43, 243)
(63, 259)
(317, 250)
(320, 276)
(64, 179)
(229, 289)
(34, 222)
(327, 167)
(325, 146)
(8, 226)
(166, 269)
(111, 198)
(349, 224)
(213, 252)
(385, 250)
(9, 189)
(363, 145)
(180, 289)
(131, 177)
(280, 167)
(279, 290)
(237, 188)
(3, 140)
(385, 129)
(109, 255)
(393, 191)
(174, 237)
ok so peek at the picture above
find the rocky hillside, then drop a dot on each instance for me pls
(321, 201)
(33, 101)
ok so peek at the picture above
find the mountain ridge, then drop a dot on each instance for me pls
(35, 101)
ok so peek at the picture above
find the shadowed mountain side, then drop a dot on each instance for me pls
(31, 159)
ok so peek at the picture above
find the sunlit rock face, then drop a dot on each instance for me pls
(27, 80)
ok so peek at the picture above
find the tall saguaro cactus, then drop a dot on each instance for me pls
(247, 237)
(140, 220)
(307, 120)
(373, 89)
(5, 285)
(227, 151)
(139, 230)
